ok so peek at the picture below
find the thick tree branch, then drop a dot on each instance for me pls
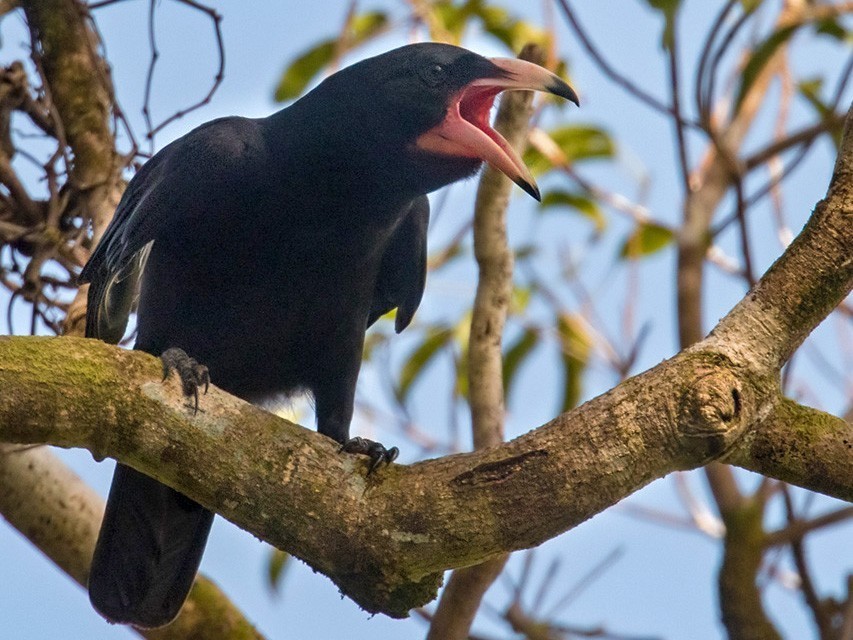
(384, 540)
(799, 529)
(802, 446)
(50, 505)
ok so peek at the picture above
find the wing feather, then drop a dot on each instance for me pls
(402, 275)
(171, 189)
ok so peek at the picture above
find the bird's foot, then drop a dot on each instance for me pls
(193, 375)
(377, 453)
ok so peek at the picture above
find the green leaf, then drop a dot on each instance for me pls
(669, 9)
(647, 239)
(584, 205)
(577, 142)
(834, 29)
(525, 251)
(520, 299)
(365, 26)
(810, 89)
(750, 5)
(375, 339)
(278, 562)
(447, 255)
(758, 60)
(302, 70)
(576, 346)
(436, 339)
(462, 337)
(305, 68)
(451, 18)
(493, 17)
(516, 33)
(515, 356)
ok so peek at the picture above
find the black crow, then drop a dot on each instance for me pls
(263, 249)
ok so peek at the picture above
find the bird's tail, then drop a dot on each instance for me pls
(148, 551)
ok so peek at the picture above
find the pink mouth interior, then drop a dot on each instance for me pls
(475, 105)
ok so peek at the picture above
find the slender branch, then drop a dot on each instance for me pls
(821, 616)
(708, 99)
(743, 232)
(465, 589)
(149, 75)
(700, 81)
(740, 598)
(216, 19)
(800, 528)
(50, 505)
(611, 72)
(724, 488)
(802, 136)
(28, 208)
(677, 117)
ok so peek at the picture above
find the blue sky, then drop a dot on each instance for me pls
(662, 584)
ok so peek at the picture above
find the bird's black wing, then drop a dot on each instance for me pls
(402, 274)
(172, 189)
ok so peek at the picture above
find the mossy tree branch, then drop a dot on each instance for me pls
(385, 540)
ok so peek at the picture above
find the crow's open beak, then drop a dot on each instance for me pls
(465, 130)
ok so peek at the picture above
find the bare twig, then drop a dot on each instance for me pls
(677, 115)
(702, 107)
(216, 19)
(802, 136)
(614, 75)
(798, 529)
(822, 619)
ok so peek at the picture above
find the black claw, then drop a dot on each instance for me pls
(375, 451)
(192, 374)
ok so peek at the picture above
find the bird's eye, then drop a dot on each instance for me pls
(433, 74)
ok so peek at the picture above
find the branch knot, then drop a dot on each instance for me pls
(710, 415)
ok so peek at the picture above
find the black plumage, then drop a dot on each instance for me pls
(264, 248)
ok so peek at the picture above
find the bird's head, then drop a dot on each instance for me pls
(433, 101)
